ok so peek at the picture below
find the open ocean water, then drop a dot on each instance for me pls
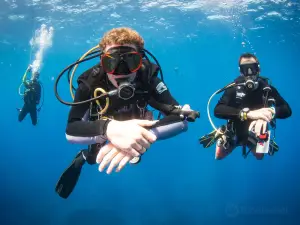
(198, 44)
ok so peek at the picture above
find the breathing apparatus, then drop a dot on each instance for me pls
(208, 105)
(125, 90)
(244, 85)
(248, 79)
(250, 72)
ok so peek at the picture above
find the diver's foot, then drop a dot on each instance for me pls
(223, 148)
(89, 157)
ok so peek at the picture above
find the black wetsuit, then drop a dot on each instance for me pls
(84, 126)
(32, 98)
(92, 131)
(229, 108)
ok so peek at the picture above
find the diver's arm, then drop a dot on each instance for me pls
(26, 84)
(80, 131)
(282, 108)
(161, 98)
(24, 81)
(224, 108)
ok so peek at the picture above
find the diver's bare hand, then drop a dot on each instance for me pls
(258, 127)
(131, 136)
(265, 114)
(115, 158)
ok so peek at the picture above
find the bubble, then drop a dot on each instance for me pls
(41, 41)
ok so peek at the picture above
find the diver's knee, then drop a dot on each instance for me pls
(220, 153)
(218, 157)
(259, 156)
(223, 148)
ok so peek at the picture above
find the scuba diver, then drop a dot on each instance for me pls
(251, 106)
(117, 121)
(31, 97)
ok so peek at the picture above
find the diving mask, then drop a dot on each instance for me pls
(250, 73)
(250, 69)
(121, 60)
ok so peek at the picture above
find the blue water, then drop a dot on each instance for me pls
(198, 44)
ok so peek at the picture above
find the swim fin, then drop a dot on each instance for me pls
(70, 176)
(211, 138)
(273, 147)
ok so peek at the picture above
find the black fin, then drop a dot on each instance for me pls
(70, 176)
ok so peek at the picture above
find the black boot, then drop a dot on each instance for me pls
(69, 178)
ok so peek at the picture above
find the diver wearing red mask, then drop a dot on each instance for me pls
(132, 83)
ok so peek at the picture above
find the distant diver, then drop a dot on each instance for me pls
(31, 97)
(251, 106)
(110, 109)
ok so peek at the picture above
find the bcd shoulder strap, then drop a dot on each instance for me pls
(92, 78)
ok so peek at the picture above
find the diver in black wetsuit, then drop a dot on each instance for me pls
(122, 67)
(31, 98)
(253, 104)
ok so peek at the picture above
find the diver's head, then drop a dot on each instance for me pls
(249, 65)
(249, 69)
(121, 58)
(36, 75)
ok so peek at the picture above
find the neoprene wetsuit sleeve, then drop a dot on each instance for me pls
(225, 108)
(79, 130)
(282, 108)
(161, 94)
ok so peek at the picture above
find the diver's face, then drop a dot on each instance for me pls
(122, 72)
(249, 67)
